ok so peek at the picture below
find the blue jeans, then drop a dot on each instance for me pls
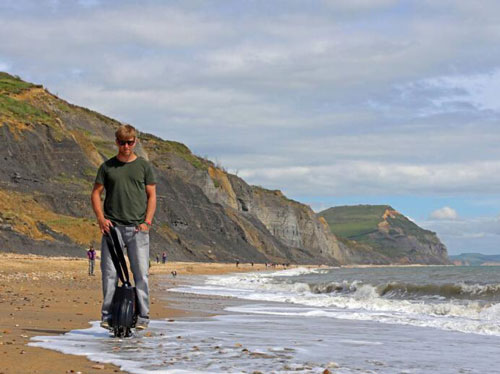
(137, 248)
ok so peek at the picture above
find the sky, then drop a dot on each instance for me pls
(334, 102)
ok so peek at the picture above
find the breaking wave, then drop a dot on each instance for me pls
(396, 290)
(470, 308)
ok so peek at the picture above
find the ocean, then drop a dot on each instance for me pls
(411, 320)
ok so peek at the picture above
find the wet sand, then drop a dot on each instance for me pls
(45, 296)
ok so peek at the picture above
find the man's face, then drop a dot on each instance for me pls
(126, 145)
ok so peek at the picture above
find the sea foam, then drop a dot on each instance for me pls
(357, 300)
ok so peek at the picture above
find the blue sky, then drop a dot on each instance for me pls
(334, 102)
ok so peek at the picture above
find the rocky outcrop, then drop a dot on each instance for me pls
(383, 235)
(296, 225)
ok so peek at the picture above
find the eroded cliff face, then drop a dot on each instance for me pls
(295, 225)
(415, 245)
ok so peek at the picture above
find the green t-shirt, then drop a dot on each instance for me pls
(125, 185)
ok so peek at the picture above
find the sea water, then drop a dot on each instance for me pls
(418, 320)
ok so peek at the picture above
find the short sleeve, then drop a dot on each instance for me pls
(99, 179)
(150, 177)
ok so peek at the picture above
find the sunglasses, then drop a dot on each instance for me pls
(129, 142)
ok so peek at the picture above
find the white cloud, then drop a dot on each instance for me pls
(378, 178)
(478, 234)
(445, 213)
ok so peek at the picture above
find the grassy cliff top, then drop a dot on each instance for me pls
(156, 144)
(10, 84)
(353, 221)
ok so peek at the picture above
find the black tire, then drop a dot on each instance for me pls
(118, 332)
(126, 317)
(122, 332)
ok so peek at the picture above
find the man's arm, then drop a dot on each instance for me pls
(95, 198)
(151, 207)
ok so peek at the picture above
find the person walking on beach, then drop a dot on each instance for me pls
(129, 206)
(164, 258)
(91, 256)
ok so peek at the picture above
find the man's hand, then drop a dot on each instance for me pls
(104, 225)
(142, 227)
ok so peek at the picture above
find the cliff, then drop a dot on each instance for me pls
(50, 155)
(49, 159)
(383, 231)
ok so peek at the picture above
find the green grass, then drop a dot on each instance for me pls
(106, 148)
(158, 145)
(85, 132)
(354, 230)
(67, 222)
(63, 106)
(13, 85)
(353, 222)
(90, 172)
(408, 226)
(23, 111)
(65, 179)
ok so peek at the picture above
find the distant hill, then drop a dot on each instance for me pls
(387, 232)
(475, 259)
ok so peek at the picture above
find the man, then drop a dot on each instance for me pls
(91, 257)
(129, 206)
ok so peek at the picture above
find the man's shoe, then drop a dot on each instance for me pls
(142, 323)
(105, 324)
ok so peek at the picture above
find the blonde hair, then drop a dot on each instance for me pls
(125, 131)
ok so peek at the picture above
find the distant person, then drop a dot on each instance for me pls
(157, 259)
(129, 206)
(164, 258)
(91, 255)
(237, 263)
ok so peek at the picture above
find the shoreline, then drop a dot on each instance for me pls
(53, 295)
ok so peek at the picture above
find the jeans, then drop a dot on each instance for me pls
(91, 267)
(137, 248)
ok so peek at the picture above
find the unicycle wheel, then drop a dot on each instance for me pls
(122, 332)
